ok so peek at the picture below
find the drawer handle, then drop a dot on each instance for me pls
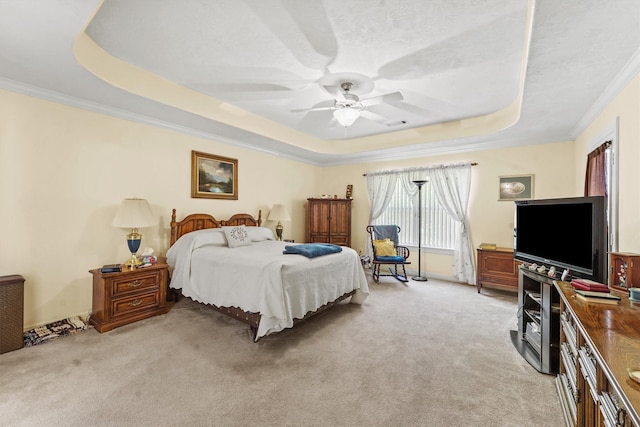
(135, 284)
(135, 303)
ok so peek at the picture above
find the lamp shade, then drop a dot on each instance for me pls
(134, 213)
(279, 213)
(346, 116)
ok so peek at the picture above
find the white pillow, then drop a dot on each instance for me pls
(236, 236)
(209, 236)
(260, 234)
(195, 239)
(198, 238)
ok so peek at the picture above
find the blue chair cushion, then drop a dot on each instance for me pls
(390, 259)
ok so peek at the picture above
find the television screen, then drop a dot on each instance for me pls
(564, 233)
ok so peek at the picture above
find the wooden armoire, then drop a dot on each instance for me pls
(329, 221)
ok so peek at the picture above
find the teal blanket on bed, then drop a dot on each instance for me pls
(312, 250)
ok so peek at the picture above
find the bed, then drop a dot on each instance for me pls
(254, 281)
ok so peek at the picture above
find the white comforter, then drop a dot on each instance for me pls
(259, 278)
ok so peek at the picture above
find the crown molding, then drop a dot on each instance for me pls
(266, 145)
(441, 148)
(71, 101)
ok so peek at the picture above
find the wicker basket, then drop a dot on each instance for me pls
(11, 313)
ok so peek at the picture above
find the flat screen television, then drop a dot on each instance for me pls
(568, 233)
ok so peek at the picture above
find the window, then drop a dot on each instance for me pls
(438, 227)
(443, 221)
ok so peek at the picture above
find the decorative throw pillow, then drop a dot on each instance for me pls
(384, 248)
(236, 236)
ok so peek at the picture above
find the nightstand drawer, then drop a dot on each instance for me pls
(125, 306)
(135, 283)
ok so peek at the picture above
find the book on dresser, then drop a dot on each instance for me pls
(597, 297)
(589, 285)
(488, 246)
(111, 268)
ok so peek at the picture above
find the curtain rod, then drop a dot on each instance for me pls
(427, 167)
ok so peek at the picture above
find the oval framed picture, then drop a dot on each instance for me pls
(515, 187)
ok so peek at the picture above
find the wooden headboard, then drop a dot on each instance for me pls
(201, 221)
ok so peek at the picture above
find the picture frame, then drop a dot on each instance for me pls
(515, 187)
(213, 177)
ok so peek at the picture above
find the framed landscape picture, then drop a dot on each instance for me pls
(213, 177)
(517, 187)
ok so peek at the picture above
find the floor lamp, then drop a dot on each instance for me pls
(419, 277)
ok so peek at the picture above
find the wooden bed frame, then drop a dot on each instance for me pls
(201, 221)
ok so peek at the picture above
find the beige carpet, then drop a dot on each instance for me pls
(421, 354)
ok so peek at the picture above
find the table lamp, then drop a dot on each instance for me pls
(134, 214)
(279, 213)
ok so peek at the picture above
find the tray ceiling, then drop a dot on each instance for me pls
(470, 73)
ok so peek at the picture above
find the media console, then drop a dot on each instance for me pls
(538, 336)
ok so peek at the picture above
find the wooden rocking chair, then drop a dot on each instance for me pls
(386, 252)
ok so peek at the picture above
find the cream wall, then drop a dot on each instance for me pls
(626, 109)
(63, 173)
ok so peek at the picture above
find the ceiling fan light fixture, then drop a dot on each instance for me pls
(346, 116)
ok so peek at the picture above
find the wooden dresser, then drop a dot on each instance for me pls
(128, 296)
(598, 343)
(497, 268)
(329, 221)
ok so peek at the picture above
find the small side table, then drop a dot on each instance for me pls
(497, 268)
(128, 296)
(11, 313)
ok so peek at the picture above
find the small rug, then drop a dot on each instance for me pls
(61, 328)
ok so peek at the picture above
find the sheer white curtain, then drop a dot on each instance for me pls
(407, 178)
(452, 185)
(380, 188)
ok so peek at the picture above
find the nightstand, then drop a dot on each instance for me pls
(128, 296)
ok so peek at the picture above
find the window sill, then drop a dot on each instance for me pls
(439, 251)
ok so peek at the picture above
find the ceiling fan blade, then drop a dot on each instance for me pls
(382, 99)
(373, 117)
(302, 110)
(336, 92)
(314, 120)
(332, 123)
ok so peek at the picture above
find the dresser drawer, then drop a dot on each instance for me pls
(497, 268)
(499, 279)
(136, 283)
(139, 302)
(340, 240)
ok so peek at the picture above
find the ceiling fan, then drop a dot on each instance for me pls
(347, 106)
